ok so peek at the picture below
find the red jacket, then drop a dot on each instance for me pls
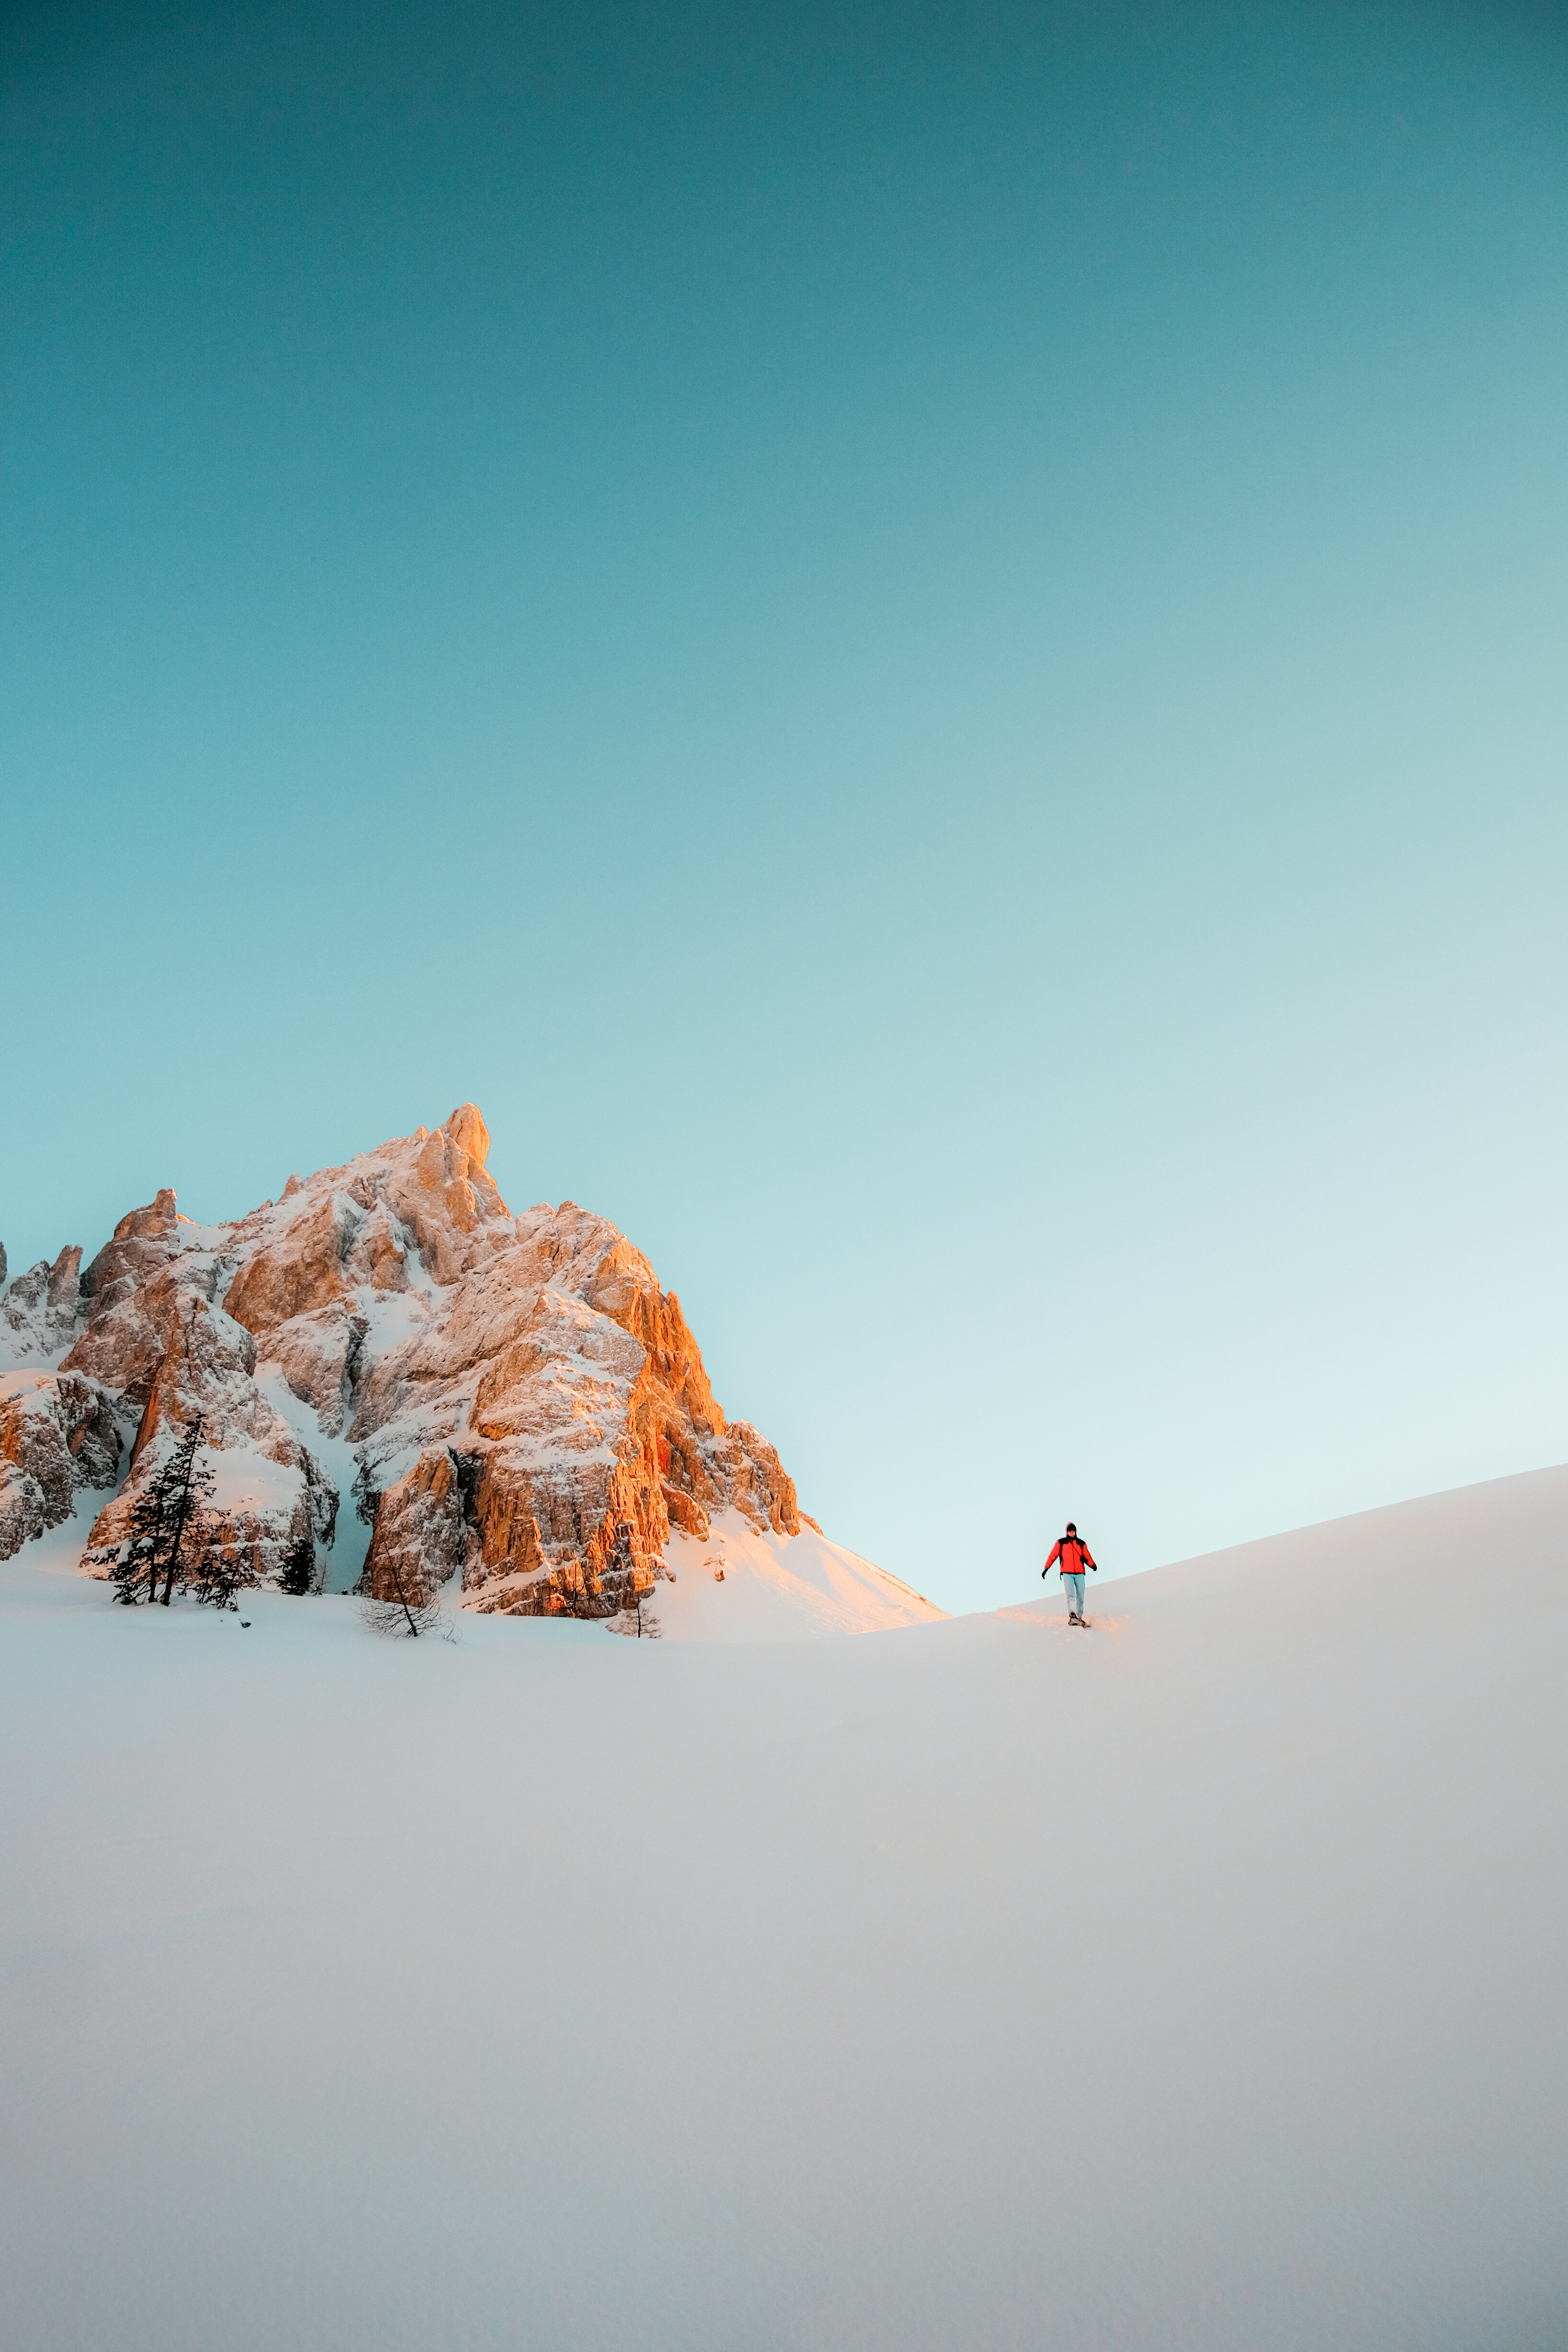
(1074, 1555)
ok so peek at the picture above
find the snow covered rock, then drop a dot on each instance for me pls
(157, 1340)
(58, 1435)
(40, 1313)
(555, 1420)
(128, 1297)
(516, 1403)
(57, 1432)
(272, 1501)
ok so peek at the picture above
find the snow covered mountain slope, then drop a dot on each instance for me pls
(397, 1378)
(1190, 1985)
(742, 1583)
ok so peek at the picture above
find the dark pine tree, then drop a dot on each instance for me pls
(140, 1565)
(218, 1570)
(133, 1568)
(298, 1573)
(164, 1545)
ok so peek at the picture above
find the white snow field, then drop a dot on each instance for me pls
(741, 1583)
(1200, 1981)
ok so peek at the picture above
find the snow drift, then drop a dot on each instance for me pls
(1193, 1985)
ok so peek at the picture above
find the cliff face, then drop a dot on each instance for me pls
(543, 1433)
(59, 1431)
(523, 1408)
(58, 1435)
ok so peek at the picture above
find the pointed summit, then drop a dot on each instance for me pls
(469, 1131)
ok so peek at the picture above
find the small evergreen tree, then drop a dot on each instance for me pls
(130, 1568)
(164, 1546)
(298, 1573)
(367, 1496)
(219, 1571)
(180, 1493)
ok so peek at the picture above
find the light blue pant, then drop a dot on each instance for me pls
(1073, 1587)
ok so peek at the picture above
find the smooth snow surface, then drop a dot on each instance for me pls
(742, 1584)
(1191, 1985)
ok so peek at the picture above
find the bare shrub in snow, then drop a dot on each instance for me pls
(413, 1607)
(639, 1623)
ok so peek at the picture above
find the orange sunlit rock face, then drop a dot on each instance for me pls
(528, 1411)
(592, 1428)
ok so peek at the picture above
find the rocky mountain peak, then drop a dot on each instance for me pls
(158, 1217)
(469, 1133)
(39, 1313)
(514, 1401)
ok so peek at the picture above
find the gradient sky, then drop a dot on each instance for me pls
(924, 644)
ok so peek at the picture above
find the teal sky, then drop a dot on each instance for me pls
(925, 645)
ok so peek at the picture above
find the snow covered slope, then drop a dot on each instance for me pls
(749, 1584)
(1191, 1985)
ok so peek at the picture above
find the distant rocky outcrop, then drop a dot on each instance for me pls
(40, 1314)
(527, 1410)
(58, 1435)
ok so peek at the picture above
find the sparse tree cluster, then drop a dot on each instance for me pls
(175, 1546)
(169, 1546)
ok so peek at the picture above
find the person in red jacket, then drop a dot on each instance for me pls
(1074, 1555)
